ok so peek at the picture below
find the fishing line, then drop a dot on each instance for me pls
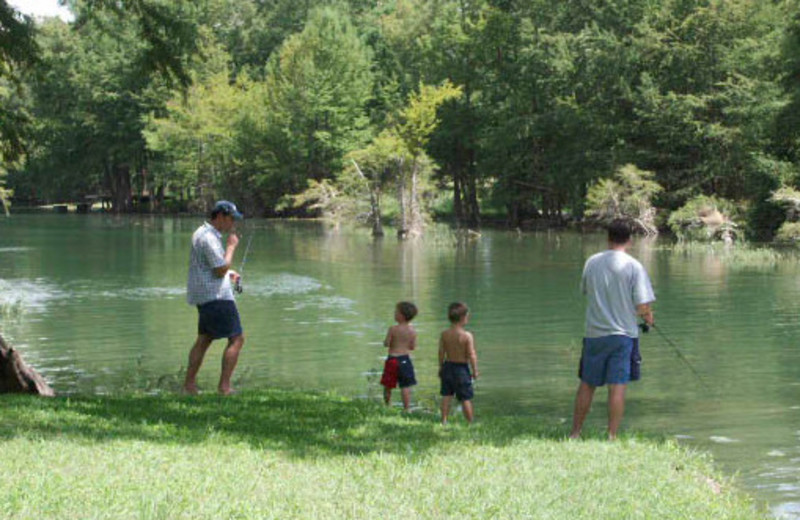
(238, 285)
(645, 328)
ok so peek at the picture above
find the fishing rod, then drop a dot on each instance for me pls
(646, 328)
(238, 285)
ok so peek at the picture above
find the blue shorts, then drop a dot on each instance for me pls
(457, 380)
(219, 319)
(607, 360)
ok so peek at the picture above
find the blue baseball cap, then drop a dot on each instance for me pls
(227, 208)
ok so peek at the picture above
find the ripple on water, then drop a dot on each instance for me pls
(719, 439)
(324, 302)
(29, 294)
(145, 293)
(281, 284)
(787, 510)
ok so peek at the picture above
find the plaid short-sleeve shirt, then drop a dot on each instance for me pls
(207, 254)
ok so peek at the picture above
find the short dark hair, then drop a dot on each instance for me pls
(407, 309)
(619, 231)
(456, 311)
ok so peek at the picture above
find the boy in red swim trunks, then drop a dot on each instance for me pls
(401, 339)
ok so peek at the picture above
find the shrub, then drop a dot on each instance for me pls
(788, 233)
(706, 218)
(628, 195)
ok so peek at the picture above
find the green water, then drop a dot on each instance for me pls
(97, 305)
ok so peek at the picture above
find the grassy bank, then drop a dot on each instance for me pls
(283, 454)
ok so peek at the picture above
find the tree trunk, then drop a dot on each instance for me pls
(402, 228)
(416, 225)
(17, 377)
(473, 209)
(374, 202)
(119, 183)
(458, 204)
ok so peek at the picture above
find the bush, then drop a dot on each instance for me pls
(788, 233)
(628, 195)
(706, 218)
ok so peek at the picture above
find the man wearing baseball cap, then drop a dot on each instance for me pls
(210, 288)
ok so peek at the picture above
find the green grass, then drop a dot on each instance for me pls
(287, 454)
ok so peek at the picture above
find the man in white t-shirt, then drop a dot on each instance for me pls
(209, 288)
(618, 290)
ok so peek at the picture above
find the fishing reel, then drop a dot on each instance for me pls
(645, 328)
(237, 286)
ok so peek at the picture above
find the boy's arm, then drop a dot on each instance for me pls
(472, 355)
(441, 354)
(387, 342)
(412, 344)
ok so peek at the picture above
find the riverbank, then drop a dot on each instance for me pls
(288, 454)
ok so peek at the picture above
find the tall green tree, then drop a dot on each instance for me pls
(315, 99)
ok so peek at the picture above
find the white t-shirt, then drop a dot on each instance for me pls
(207, 254)
(614, 283)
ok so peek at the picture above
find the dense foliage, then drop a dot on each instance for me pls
(263, 100)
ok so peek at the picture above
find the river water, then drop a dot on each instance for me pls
(97, 304)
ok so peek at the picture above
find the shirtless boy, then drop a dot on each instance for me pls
(401, 339)
(456, 356)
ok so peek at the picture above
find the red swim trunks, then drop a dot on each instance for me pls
(398, 370)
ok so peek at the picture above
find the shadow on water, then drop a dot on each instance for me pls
(301, 424)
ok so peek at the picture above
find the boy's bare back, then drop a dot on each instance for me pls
(401, 339)
(457, 345)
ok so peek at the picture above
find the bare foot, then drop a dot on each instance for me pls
(226, 391)
(575, 436)
(190, 390)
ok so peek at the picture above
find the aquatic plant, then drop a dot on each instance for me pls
(741, 254)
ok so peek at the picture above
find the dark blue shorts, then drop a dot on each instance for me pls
(219, 319)
(636, 362)
(608, 360)
(398, 370)
(457, 380)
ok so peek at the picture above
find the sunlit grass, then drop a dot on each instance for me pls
(282, 454)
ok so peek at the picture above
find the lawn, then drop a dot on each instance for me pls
(290, 454)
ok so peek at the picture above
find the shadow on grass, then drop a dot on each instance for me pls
(299, 423)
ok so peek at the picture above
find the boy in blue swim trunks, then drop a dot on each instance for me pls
(618, 290)
(401, 339)
(456, 356)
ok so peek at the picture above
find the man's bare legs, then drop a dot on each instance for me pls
(196, 356)
(616, 408)
(583, 402)
(229, 359)
(387, 395)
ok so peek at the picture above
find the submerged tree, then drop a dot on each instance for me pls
(628, 195)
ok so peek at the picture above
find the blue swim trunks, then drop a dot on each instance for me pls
(457, 380)
(608, 360)
(219, 319)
